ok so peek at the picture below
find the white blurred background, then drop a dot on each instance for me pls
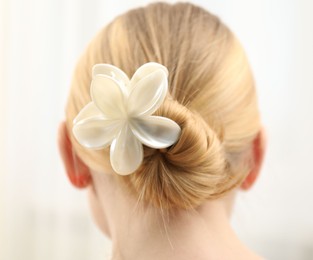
(43, 217)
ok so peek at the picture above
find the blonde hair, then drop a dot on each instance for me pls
(211, 96)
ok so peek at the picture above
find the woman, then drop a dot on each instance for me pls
(177, 203)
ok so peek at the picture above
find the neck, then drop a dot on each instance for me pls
(203, 233)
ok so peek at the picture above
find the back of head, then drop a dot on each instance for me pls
(211, 96)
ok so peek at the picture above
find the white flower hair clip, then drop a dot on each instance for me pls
(120, 114)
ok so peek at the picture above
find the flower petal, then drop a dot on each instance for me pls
(156, 131)
(145, 70)
(108, 97)
(148, 94)
(96, 133)
(126, 153)
(110, 71)
(89, 111)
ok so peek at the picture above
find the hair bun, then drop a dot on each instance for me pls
(189, 172)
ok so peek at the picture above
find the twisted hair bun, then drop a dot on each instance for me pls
(189, 172)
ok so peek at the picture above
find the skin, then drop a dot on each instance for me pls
(203, 233)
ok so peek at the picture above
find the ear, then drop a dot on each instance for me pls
(77, 171)
(258, 152)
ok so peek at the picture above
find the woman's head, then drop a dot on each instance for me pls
(211, 96)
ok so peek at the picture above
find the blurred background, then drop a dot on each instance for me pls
(43, 217)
